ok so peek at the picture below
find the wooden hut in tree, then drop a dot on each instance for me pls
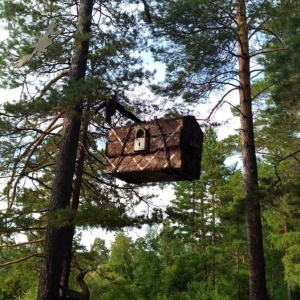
(160, 150)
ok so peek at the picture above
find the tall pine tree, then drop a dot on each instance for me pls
(207, 46)
(52, 137)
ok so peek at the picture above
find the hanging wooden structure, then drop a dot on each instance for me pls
(160, 150)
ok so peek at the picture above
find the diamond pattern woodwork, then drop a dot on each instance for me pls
(174, 151)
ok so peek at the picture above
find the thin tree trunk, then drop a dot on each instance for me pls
(213, 236)
(203, 223)
(257, 281)
(288, 288)
(51, 269)
(238, 275)
(289, 292)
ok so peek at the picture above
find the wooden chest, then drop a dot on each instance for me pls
(160, 150)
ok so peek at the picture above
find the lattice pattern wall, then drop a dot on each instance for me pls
(174, 151)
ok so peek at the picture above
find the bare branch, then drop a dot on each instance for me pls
(19, 260)
(51, 82)
(282, 159)
(14, 230)
(21, 244)
(220, 102)
(18, 129)
(30, 151)
(261, 92)
(267, 51)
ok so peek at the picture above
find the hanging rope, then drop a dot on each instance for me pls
(167, 154)
(121, 155)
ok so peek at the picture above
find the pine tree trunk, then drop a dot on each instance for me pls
(55, 241)
(257, 281)
(67, 258)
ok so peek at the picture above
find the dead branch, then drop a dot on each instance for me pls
(261, 92)
(267, 51)
(52, 81)
(19, 260)
(15, 230)
(282, 159)
(30, 151)
(219, 103)
(18, 129)
(21, 244)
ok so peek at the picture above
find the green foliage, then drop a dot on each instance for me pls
(291, 262)
(114, 274)
(29, 294)
(18, 280)
(148, 267)
(120, 261)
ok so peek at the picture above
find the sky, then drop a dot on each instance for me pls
(6, 95)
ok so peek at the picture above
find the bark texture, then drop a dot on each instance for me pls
(257, 281)
(56, 237)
